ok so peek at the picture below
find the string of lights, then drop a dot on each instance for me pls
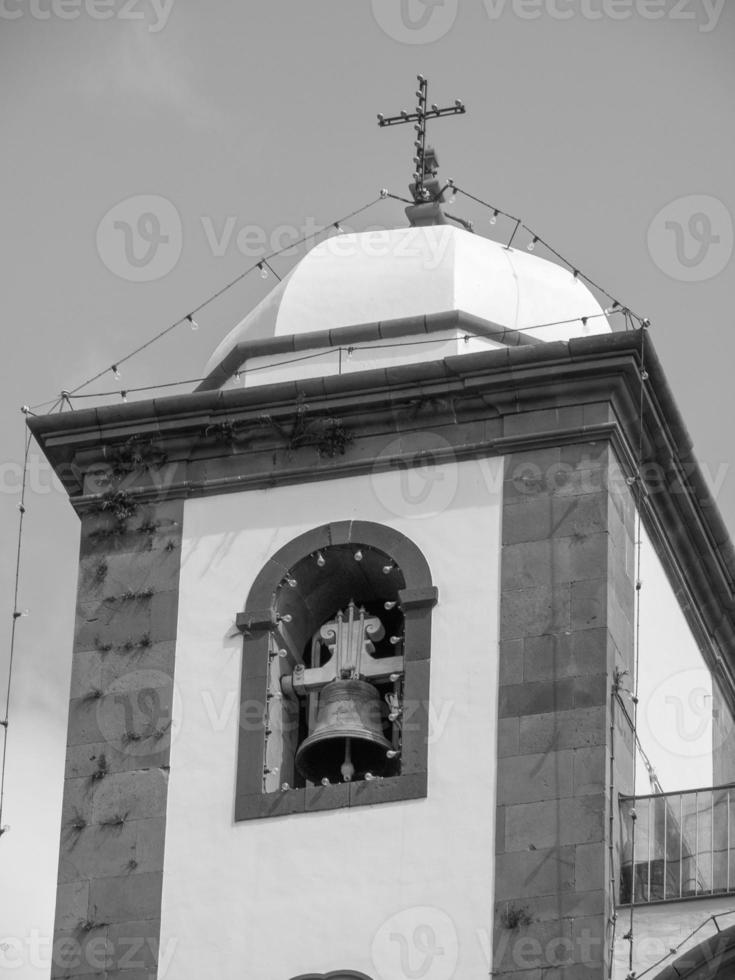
(265, 268)
(16, 615)
(262, 265)
(536, 239)
(237, 375)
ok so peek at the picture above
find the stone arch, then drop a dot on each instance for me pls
(338, 975)
(712, 959)
(270, 603)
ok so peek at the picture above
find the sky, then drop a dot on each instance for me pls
(210, 133)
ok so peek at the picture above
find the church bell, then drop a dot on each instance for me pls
(347, 740)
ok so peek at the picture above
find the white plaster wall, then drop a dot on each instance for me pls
(660, 928)
(352, 889)
(675, 688)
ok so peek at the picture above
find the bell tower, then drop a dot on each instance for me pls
(352, 620)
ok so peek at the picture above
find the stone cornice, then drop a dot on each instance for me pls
(395, 330)
(466, 406)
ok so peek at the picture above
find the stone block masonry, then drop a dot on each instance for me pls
(119, 733)
(566, 610)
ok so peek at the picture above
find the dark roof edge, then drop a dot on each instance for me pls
(701, 491)
(364, 332)
(154, 412)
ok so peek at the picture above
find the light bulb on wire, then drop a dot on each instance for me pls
(494, 218)
(192, 322)
(263, 270)
(532, 245)
(115, 372)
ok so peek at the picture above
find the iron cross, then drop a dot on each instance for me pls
(424, 159)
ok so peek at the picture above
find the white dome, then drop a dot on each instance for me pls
(375, 276)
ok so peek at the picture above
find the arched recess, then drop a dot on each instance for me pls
(339, 975)
(297, 589)
(713, 959)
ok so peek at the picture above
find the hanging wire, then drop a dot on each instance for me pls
(396, 197)
(265, 264)
(537, 239)
(69, 396)
(4, 722)
(675, 949)
(611, 827)
(636, 658)
(188, 317)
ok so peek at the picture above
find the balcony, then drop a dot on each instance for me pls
(683, 845)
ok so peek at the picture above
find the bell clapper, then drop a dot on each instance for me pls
(347, 769)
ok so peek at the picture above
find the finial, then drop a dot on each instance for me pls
(425, 188)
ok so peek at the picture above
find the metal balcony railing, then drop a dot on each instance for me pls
(684, 845)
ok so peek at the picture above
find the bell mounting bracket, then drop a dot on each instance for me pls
(349, 638)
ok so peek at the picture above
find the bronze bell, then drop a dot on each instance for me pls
(347, 741)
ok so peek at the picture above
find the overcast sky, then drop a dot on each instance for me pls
(606, 124)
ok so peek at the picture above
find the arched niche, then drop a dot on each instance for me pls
(298, 589)
(338, 975)
(712, 959)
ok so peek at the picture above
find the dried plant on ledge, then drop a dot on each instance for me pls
(101, 770)
(94, 695)
(134, 454)
(514, 916)
(130, 595)
(117, 820)
(90, 924)
(119, 503)
(326, 434)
